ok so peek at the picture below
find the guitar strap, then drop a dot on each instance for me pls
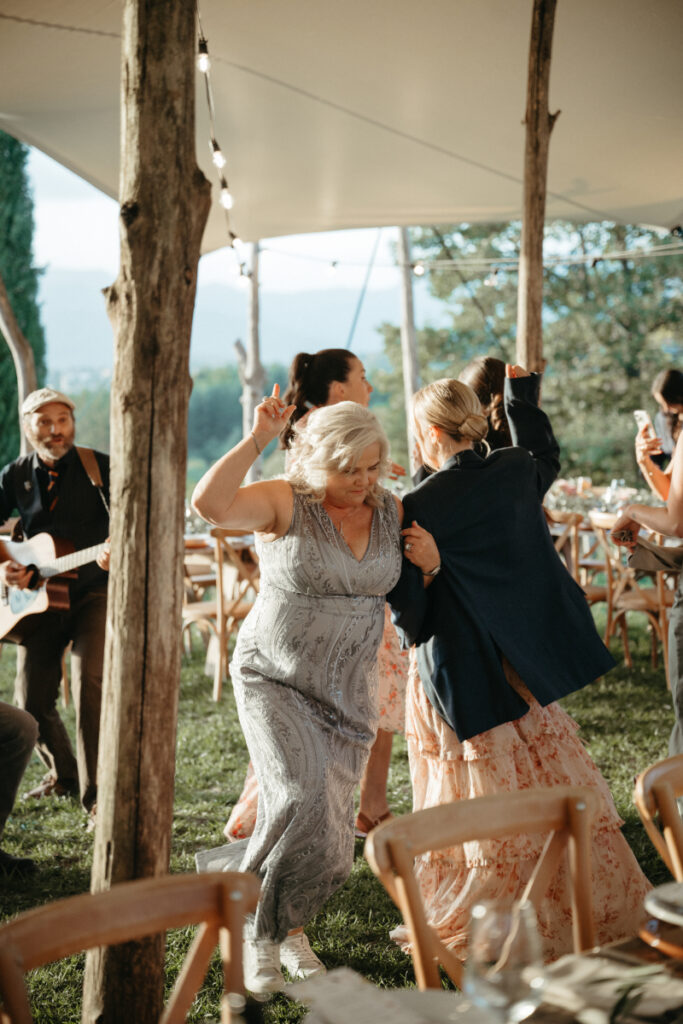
(91, 467)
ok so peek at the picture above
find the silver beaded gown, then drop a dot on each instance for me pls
(304, 673)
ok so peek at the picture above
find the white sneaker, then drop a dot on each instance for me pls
(261, 963)
(299, 959)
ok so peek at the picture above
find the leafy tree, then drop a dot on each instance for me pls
(609, 325)
(21, 279)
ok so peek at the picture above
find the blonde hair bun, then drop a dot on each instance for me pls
(453, 407)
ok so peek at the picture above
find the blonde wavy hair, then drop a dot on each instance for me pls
(452, 406)
(331, 440)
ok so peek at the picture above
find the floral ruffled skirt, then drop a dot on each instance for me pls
(540, 749)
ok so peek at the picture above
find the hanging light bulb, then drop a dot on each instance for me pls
(235, 241)
(418, 269)
(217, 155)
(244, 277)
(332, 269)
(492, 280)
(203, 62)
(226, 200)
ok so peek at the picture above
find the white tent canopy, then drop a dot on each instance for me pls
(376, 112)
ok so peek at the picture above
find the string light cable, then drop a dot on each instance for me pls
(510, 263)
(217, 156)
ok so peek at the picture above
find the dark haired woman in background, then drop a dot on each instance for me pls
(315, 380)
(652, 452)
(486, 376)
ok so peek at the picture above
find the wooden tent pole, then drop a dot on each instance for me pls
(165, 201)
(251, 371)
(539, 124)
(22, 354)
(411, 371)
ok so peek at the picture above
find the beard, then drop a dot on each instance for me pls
(52, 452)
(49, 450)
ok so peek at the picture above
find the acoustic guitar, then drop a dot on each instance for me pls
(52, 557)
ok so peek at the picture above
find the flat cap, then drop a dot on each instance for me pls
(41, 397)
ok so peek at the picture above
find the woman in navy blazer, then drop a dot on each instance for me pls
(501, 631)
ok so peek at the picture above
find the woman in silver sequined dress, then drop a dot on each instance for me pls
(305, 664)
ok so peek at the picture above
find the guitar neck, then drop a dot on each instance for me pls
(73, 561)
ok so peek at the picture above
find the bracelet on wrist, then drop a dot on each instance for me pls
(434, 571)
(253, 437)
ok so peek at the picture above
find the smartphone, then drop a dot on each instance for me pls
(643, 419)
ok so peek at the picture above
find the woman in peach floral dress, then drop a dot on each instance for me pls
(501, 633)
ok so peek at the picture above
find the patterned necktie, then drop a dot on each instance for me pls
(52, 483)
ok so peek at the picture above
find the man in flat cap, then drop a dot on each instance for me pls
(63, 491)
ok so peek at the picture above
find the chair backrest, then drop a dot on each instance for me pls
(236, 567)
(218, 902)
(564, 529)
(564, 813)
(655, 796)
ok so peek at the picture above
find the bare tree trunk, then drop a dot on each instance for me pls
(165, 201)
(252, 373)
(22, 354)
(539, 124)
(411, 373)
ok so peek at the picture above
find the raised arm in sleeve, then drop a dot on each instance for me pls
(530, 428)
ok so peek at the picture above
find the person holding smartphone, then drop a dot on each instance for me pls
(651, 444)
(668, 521)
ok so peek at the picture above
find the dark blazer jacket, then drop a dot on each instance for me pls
(503, 589)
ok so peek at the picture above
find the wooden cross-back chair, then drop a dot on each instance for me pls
(237, 581)
(655, 796)
(564, 530)
(627, 594)
(565, 813)
(217, 902)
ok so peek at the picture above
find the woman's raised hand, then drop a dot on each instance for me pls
(647, 445)
(511, 370)
(420, 547)
(270, 417)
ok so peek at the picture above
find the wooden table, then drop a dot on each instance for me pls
(584, 988)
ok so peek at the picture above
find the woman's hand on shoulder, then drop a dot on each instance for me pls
(419, 547)
(270, 417)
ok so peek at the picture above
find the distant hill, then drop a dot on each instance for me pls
(79, 336)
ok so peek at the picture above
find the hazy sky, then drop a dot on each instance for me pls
(76, 229)
(306, 304)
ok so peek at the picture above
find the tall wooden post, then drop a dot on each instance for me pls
(165, 201)
(411, 373)
(539, 124)
(22, 355)
(252, 373)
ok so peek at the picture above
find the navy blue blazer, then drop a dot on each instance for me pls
(503, 589)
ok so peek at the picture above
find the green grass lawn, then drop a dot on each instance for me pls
(625, 720)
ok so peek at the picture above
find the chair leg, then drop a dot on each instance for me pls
(665, 653)
(219, 667)
(623, 627)
(65, 680)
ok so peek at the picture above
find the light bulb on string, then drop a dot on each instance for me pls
(203, 61)
(235, 240)
(244, 277)
(226, 200)
(492, 280)
(418, 269)
(332, 269)
(217, 155)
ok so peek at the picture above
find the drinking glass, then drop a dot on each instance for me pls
(504, 967)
